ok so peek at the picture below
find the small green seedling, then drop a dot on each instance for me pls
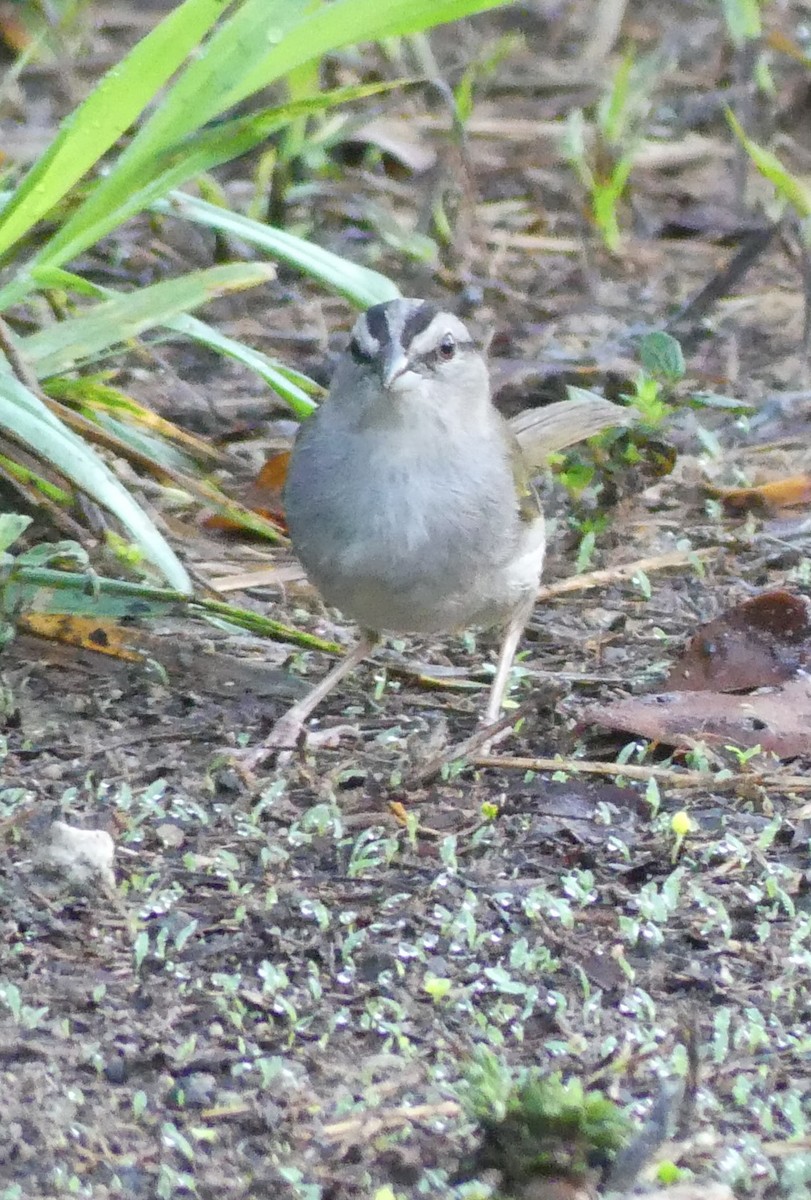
(662, 363)
(681, 825)
(602, 159)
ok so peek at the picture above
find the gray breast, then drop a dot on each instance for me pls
(417, 543)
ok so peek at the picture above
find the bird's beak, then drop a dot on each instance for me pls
(395, 364)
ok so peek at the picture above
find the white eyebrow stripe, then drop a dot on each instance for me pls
(429, 339)
(366, 343)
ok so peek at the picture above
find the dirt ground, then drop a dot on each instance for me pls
(281, 994)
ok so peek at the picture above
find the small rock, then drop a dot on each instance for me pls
(198, 1088)
(52, 772)
(172, 836)
(115, 1071)
(83, 858)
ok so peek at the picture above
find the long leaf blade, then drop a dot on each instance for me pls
(342, 23)
(274, 374)
(25, 418)
(82, 338)
(360, 285)
(107, 112)
(138, 179)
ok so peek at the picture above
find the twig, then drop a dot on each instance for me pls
(61, 519)
(82, 425)
(483, 736)
(465, 749)
(16, 360)
(593, 579)
(667, 775)
(751, 248)
(372, 1124)
(606, 24)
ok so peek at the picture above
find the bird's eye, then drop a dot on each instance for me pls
(447, 347)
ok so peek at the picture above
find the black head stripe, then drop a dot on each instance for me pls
(417, 322)
(377, 323)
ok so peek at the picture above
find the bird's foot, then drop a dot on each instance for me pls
(288, 735)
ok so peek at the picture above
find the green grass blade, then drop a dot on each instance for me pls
(789, 187)
(195, 98)
(45, 590)
(343, 23)
(360, 285)
(234, 47)
(295, 388)
(280, 378)
(134, 183)
(26, 419)
(81, 339)
(107, 112)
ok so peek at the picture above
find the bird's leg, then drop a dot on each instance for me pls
(286, 731)
(509, 644)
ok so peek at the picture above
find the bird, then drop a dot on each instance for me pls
(409, 499)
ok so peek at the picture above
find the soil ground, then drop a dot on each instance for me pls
(281, 995)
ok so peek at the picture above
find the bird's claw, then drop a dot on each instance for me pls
(285, 737)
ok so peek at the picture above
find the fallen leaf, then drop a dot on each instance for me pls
(91, 633)
(778, 720)
(577, 808)
(263, 496)
(398, 138)
(765, 497)
(759, 643)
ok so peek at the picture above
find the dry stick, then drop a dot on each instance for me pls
(374, 1123)
(21, 369)
(752, 246)
(16, 361)
(60, 518)
(606, 26)
(592, 579)
(667, 775)
(794, 244)
(465, 749)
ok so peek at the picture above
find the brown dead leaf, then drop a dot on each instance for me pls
(576, 808)
(400, 139)
(762, 642)
(778, 720)
(263, 496)
(765, 498)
